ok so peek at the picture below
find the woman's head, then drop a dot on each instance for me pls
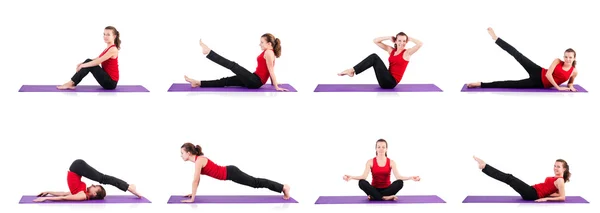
(112, 36)
(96, 192)
(188, 150)
(268, 41)
(400, 40)
(561, 168)
(381, 147)
(570, 56)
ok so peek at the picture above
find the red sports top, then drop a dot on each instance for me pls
(546, 188)
(75, 184)
(397, 65)
(381, 174)
(213, 170)
(111, 65)
(559, 75)
(261, 69)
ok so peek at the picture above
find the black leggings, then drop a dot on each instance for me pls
(383, 75)
(377, 193)
(526, 191)
(99, 74)
(236, 175)
(534, 70)
(242, 77)
(81, 168)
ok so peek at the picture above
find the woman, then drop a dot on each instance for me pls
(398, 59)
(106, 75)
(77, 188)
(552, 189)
(205, 166)
(381, 167)
(271, 49)
(559, 72)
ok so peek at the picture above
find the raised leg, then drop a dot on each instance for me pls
(81, 168)
(526, 191)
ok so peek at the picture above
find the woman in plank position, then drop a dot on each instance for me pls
(381, 168)
(271, 49)
(204, 166)
(106, 75)
(398, 59)
(552, 189)
(78, 190)
(559, 72)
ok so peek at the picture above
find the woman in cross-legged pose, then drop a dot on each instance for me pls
(271, 49)
(398, 59)
(381, 167)
(552, 189)
(204, 166)
(78, 190)
(106, 75)
(559, 72)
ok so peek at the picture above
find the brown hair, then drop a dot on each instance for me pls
(571, 50)
(117, 36)
(193, 149)
(396, 37)
(275, 42)
(100, 194)
(567, 173)
(386, 145)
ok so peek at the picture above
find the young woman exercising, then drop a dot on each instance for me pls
(271, 49)
(559, 72)
(398, 59)
(381, 167)
(107, 75)
(78, 190)
(552, 189)
(204, 166)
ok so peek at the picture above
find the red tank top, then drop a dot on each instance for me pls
(262, 71)
(111, 65)
(75, 184)
(397, 65)
(381, 174)
(559, 75)
(546, 188)
(213, 170)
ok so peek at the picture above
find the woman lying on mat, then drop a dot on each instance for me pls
(205, 166)
(552, 189)
(78, 189)
(271, 49)
(107, 75)
(381, 167)
(398, 59)
(559, 72)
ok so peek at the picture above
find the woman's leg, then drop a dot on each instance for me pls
(81, 168)
(238, 176)
(371, 191)
(232, 81)
(393, 189)
(383, 75)
(532, 68)
(518, 84)
(99, 74)
(526, 191)
(248, 78)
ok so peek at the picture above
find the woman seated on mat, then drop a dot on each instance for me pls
(78, 190)
(559, 72)
(381, 167)
(204, 166)
(552, 189)
(271, 49)
(398, 59)
(107, 75)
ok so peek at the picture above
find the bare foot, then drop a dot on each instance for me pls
(480, 162)
(68, 85)
(133, 191)
(369, 197)
(391, 197)
(492, 33)
(286, 192)
(205, 49)
(476, 84)
(348, 72)
(193, 82)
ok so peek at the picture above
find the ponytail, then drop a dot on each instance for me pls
(199, 150)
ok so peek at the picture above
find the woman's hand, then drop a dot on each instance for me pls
(40, 199)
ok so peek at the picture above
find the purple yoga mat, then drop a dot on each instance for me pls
(239, 199)
(517, 199)
(265, 88)
(82, 88)
(376, 88)
(402, 199)
(28, 199)
(479, 89)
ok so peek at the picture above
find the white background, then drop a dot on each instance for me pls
(308, 140)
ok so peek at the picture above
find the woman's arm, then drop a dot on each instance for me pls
(560, 185)
(54, 194)
(572, 78)
(109, 54)
(79, 196)
(270, 58)
(379, 42)
(550, 71)
(397, 174)
(196, 182)
(418, 45)
(364, 174)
